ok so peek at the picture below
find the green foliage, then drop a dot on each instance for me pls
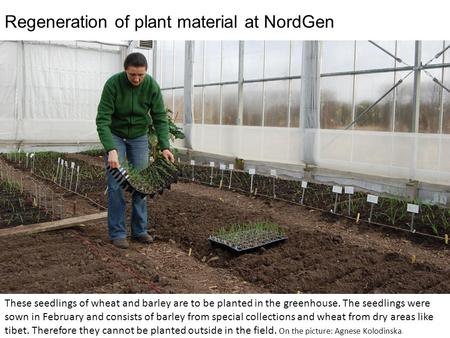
(174, 133)
(157, 176)
(429, 215)
(445, 219)
(249, 234)
(396, 210)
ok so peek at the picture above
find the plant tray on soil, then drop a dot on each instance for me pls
(158, 176)
(247, 237)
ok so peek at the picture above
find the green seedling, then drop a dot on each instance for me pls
(158, 176)
(174, 133)
(250, 235)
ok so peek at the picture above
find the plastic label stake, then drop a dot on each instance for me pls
(78, 175)
(211, 164)
(32, 162)
(349, 191)
(304, 186)
(66, 164)
(252, 172)
(230, 168)
(61, 172)
(193, 169)
(337, 189)
(72, 167)
(372, 199)
(413, 209)
(222, 169)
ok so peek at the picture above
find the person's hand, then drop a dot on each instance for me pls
(113, 159)
(168, 155)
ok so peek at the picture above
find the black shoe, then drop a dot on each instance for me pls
(146, 239)
(120, 243)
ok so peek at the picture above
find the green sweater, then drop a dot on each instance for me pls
(124, 111)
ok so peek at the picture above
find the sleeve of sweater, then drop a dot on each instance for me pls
(159, 117)
(104, 115)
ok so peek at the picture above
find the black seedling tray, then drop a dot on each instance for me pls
(247, 245)
(123, 179)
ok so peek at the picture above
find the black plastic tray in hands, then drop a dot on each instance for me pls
(167, 175)
(121, 176)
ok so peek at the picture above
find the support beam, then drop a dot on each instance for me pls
(416, 91)
(55, 225)
(155, 59)
(415, 109)
(188, 92)
(240, 120)
(309, 100)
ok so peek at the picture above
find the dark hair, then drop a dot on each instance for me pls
(135, 60)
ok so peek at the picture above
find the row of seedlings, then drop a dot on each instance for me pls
(67, 174)
(27, 202)
(341, 200)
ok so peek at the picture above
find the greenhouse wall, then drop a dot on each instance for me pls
(50, 90)
(377, 108)
(251, 109)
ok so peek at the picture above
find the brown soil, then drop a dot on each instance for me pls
(322, 254)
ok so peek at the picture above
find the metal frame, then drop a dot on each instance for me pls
(49, 43)
(241, 81)
(418, 69)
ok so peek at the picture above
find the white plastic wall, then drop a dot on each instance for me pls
(373, 153)
(9, 71)
(282, 145)
(50, 91)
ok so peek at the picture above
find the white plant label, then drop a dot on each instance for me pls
(231, 166)
(372, 199)
(78, 168)
(211, 164)
(304, 184)
(66, 164)
(26, 154)
(337, 189)
(222, 166)
(59, 160)
(32, 155)
(252, 171)
(72, 165)
(414, 208)
(273, 172)
(192, 162)
(349, 190)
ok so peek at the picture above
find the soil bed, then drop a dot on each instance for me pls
(17, 208)
(324, 253)
(321, 254)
